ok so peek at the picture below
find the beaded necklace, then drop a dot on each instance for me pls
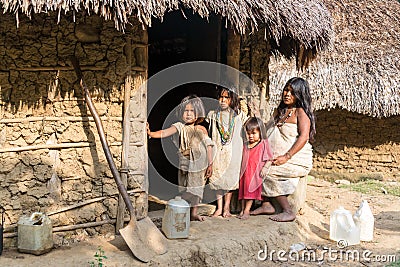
(225, 134)
(280, 124)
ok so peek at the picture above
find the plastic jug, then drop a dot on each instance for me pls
(365, 221)
(343, 228)
(35, 234)
(176, 219)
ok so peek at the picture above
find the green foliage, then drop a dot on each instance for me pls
(98, 258)
(394, 264)
(373, 186)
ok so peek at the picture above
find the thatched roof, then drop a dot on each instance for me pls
(306, 22)
(362, 72)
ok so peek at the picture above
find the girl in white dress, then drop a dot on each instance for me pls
(225, 128)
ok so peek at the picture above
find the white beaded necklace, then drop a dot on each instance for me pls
(280, 124)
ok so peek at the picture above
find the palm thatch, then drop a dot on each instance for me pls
(362, 71)
(307, 22)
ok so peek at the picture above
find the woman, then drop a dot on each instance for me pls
(293, 128)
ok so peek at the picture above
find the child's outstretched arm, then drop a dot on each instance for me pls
(161, 133)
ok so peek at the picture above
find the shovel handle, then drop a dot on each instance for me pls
(121, 188)
(3, 210)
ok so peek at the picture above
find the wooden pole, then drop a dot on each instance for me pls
(125, 137)
(77, 205)
(66, 118)
(265, 109)
(233, 60)
(57, 68)
(12, 227)
(67, 68)
(139, 92)
(57, 146)
(233, 57)
(72, 227)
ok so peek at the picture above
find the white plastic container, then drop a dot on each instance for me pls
(364, 219)
(176, 219)
(343, 228)
(35, 234)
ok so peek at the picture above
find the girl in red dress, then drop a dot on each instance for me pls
(256, 152)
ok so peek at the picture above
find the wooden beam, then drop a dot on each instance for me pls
(125, 137)
(77, 205)
(233, 56)
(11, 228)
(55, 146)
(58, 68)
(66, 118)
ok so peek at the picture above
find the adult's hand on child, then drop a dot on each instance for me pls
(280, 160)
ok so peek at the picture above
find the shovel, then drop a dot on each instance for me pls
(142, 237)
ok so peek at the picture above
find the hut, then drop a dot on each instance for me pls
(356, 92)
(50, 154)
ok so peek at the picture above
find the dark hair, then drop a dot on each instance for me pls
(254, 123)
(301, 91)
(233, 96)
(197, 105)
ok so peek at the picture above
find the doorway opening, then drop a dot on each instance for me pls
(174, 41)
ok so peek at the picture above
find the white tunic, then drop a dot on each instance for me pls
(228, 158)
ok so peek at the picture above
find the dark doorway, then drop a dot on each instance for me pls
(176, 40)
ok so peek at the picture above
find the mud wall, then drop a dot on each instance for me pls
(50, 154)
(357, 145)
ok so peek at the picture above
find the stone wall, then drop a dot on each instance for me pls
(357, 145)
(50, 153)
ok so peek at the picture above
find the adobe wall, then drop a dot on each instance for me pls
(357, 146)
(41, 106)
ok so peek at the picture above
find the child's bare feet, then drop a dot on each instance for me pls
(240, 214)
(245, 216)
(217, 213)
(266, 208)
(286, 216)
(226, 214)
(197, 218)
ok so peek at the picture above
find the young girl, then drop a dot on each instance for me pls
(293, 128)
(256, 152)
(195, 151)
(225, 126)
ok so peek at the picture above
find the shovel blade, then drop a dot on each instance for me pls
(144, 239)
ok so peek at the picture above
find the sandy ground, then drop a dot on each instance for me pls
(232, 242)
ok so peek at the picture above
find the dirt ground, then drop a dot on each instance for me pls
(232, 242)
